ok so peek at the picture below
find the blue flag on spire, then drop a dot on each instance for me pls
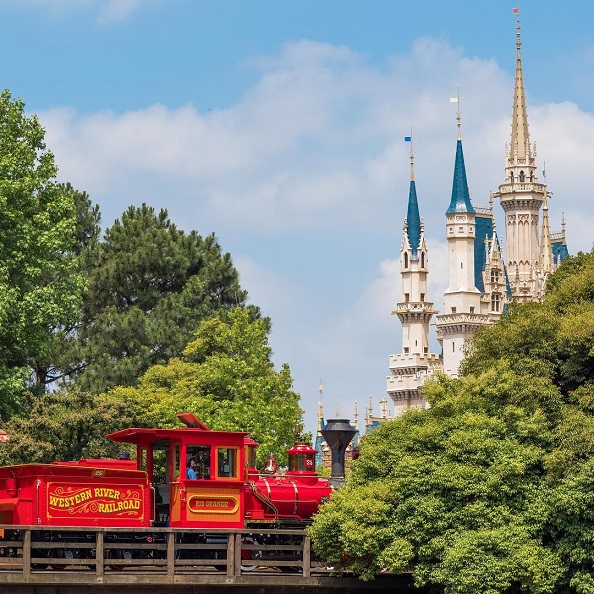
(407, 139)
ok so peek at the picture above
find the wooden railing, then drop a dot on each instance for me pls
(95, 552)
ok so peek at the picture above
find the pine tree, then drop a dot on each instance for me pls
(150, 284)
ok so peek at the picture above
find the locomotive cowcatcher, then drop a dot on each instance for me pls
(154, 490)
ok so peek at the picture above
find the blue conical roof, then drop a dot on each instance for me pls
(460, 201)
(413, 219)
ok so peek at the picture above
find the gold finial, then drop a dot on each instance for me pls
(320, 409)
(412, 154)
(547, 195)
(457, 99)
(518, 27)
(412, 157)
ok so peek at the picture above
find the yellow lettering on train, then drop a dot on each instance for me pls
(65, 502)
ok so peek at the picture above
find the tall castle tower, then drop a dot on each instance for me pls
(462, 300)
(521, 197)
(481, 279)
(409, 369)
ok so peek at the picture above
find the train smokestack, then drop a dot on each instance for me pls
(338, 434)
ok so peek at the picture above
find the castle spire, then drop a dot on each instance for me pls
(414, 310)
(462, 300)
(460, 201)
(521, 195)
(320, 409)
(520, 149)
(546, 260)
(413, 218)
(546, 247)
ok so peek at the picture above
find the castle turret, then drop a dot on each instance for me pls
(462, 300)
(521, 196)
(410, 368)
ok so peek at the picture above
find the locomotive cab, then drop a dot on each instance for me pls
(196, 474)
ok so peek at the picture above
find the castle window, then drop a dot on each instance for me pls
(425, 349)
(495, 302)
(511, 177)
(405, 259)
(406, 350)
(453, 347)
(453, 310)
(531, 176)
(471, 309)
(406, 297)
(522, 176)
(494, 276)
(422, 297)
(422, 259)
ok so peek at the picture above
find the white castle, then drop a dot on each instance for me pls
(481, 279)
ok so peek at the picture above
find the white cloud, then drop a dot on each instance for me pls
(107, 11)
(315, 150)
(116, 10)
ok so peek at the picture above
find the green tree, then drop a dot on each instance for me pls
(61, 358)
(555, 338)
(65, 425)
(39, 285)
(490, 490)
(149, 286)
(452, 492)
(226, 378)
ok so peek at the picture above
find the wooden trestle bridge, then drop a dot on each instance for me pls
(232, 561)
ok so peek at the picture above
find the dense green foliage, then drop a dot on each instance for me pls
(491, 489)
(149, 286)
(86, 314)
(61, 357)
(65, 426)
(555, 338)
(39, 285)
(226, 378)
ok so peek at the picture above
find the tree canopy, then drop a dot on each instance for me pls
(64, 425)
(490, 490)
(227, 379)
(149, 286)
(85, 314)
(62, 354)
(554, 338)
(40, 288)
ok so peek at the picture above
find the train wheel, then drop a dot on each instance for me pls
(249, 557)
(114, 554)
(57, 554)
(38, 553)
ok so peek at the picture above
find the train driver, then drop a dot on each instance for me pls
(191, 468)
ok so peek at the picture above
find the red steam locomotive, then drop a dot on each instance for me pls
(223, 489)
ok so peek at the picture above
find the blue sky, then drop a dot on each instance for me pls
(279, 126)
